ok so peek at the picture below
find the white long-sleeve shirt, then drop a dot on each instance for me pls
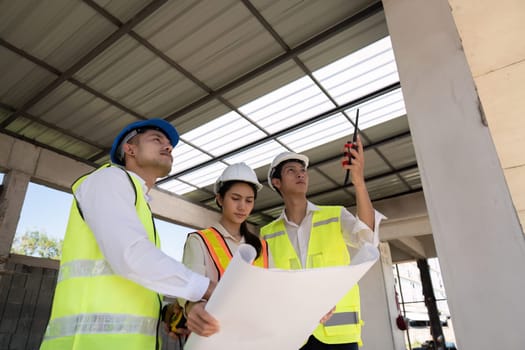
(355, 232)
(107, 201)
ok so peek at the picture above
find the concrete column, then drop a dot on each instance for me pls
(492, 36)
(11, 201)
(478, 237)
(378, 306)
(20, 159)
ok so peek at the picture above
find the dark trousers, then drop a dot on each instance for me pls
(314, 344)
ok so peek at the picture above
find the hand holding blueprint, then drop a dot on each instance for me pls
(261, 309)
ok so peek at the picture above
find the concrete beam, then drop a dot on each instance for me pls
(402, 207)
(399, 256)
(406, 217)
(176, 209)
(411, 227)
(56, 171)
(410, 245)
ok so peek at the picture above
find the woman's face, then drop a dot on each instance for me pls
(237, 203)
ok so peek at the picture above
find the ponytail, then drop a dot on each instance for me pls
(251, 239)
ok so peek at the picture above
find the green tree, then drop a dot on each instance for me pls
(36, 243)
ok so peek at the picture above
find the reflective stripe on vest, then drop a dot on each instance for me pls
(263, 255)
(101, 324)
(92, 304)
(325, 248)
(273, 235)
(84, 268)
(325, 222)
(342, 318)
(221, 254)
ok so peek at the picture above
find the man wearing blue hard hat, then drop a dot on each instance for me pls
(112, 273)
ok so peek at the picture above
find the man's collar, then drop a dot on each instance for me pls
(142, 183)
(141, 180)
(310, 207)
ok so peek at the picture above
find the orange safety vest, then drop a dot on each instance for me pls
(221, 254)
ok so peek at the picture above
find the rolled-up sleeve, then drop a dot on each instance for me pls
(356, 232)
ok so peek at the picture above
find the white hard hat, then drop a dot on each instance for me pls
(281, 158)
(237, 172)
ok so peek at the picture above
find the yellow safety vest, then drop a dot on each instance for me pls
(94, 308)
(221, 254)
(325, 248)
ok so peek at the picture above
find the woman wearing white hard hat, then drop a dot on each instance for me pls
(209, 251)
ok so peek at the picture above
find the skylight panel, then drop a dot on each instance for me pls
(224, 134)
(262, 102)
(360, 73)
(186, 156)
(373, 112)
(204, 176)
(347, 79)
(289, 105)
(361, 86)
(355, 59)
(380, 109)
(177, 187)
(318, 133)
(258, 156)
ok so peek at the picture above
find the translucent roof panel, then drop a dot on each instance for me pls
(373, 112)
(318, 133)
(379, 110)
(360, 73)
(186, 156)
(224, 134)
(177, 187)
(288, 105)
(258, 156)
(349, 78)
(413, 177)
(204, 176)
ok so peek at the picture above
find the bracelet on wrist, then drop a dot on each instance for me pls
(188, 303)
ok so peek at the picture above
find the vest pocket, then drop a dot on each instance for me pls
(315, 260)
(294, 264)
(323, 260)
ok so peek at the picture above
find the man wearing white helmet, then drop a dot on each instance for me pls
(308, 236)
(209, 251)
(112, 272)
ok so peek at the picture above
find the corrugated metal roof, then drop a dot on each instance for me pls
(241, 80)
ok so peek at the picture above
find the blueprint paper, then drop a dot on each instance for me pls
(261, 309)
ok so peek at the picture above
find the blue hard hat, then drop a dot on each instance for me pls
(158, 124)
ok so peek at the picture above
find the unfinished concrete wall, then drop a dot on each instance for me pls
(492, 37)
(26, 293)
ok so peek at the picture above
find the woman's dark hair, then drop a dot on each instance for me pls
(249, 237)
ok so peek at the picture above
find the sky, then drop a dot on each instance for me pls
(47, 210)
